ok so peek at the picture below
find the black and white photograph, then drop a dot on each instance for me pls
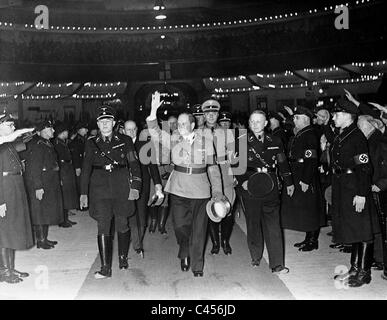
(193, 154)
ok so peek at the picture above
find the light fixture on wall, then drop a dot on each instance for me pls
(160, 7)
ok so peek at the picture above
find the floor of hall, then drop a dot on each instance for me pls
(66, 272)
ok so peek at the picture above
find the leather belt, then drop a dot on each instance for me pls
(52, 169)
(339, 171)
(16, 173)
(263, 169)
(300, 160)
(190, 170)
(110, 167)
(66, 161)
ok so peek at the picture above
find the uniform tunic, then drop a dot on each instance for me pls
(262, 213)
(304, 210)
(42, 172)
(350, 152)
(67, 175)
(15, 227)
(101, 184)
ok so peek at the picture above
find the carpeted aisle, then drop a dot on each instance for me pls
(158, 276)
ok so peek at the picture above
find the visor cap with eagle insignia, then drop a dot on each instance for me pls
(210, 105)
(105, 112)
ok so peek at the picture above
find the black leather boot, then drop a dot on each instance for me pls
(66, 223)
(153, 216)
(105, 247)
(41, 242)
(67, 213)
(213, 228)
(11, 253)
(226, 228)
(7, 273)
(308, 235)
(365, 258)
(123, 248)
(163, 215)
(45, 233)
(185, 264)
(354, 262)
(312, 243)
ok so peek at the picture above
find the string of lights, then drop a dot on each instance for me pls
(240, 22)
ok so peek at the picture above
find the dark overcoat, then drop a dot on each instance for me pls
(42, 172)
(304, 211)
(15, 227)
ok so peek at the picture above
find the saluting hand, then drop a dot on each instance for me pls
(379, 107)
(3, 210)
(83, 201)
(351, 98)
(39, 194)
(304, 186)
(375, 188)
(156, 103)
(359, 203)
(290, 190)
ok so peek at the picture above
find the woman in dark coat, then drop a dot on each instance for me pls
(15, 223)
(43, 185)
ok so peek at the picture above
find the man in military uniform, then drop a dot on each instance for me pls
(111, 180)
(304, 211)
(224, 228)
(225, 120)
(66, 172)
(15, 222)
(195, 177)
(148, 171)
(77, 148)
(276, 129)
(352, 212)
(199, 116)
(378, 158)
(43, 185)
(260, 188)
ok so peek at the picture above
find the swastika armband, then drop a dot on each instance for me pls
(310, 153)
(361, 158)
(281, 157)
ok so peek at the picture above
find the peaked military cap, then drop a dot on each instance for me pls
(275, 115)
(80, 125)
(304, 110)
(105, 112)
(197, 110)
(225, 116)
(44, 124)
(210, 105)
(60, 127)
(343, 105)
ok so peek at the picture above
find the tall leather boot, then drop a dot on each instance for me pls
(11, 253)
(41, 242)
(354, 262)
(312, 243)
(67, 213)
(226, 228)
(163, 215)
(153, 216)
(365, 259)
(308, 235)
(105, 247)
(45, 234)
(123, 248)
(66, 223)
(213, 228)
(7, 273)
